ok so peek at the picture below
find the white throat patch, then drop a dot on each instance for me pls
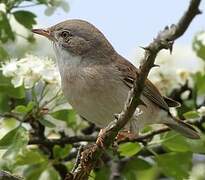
(66, 59)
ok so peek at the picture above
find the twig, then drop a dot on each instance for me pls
(164, 40)
(76, 139)
(62, 141)
(77, 159)
(147, 136)
(7, 176)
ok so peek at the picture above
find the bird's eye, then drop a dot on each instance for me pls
(65, 34)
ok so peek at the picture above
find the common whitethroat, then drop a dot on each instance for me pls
(96, 79)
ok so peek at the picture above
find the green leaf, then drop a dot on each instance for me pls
(199, 46)
(137, 164)
(26, 18)
(30, 106)
(138, 168)
(3, 54)
(24, 109)
(46, 2)
(6, 32)
(130, 175)
(197, 146)
(65, 6)
(67, 115)
(53, 174)
(33, 172)
(129, 149)
(199, 80)
(46, 123)
(9, 138)
(176, 165)
(148, 174)
(61, 152)
(49, 10)
(18, 93)
(102, 173)
(4, 81)
(29, 157)
(4, 103)
(191, 115)
(175, 142)
(7, 88)
(20, 109)
(178, 143)
(19, 142)
(10, 123)
(31, 38)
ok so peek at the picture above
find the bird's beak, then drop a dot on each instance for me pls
(43, 32)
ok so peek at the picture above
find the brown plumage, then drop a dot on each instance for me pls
(96, 79)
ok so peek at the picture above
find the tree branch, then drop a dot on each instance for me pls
(7, 176)
(63, 140)
(77, 139)
(164, 40)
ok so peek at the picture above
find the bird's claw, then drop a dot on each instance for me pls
(126, 135)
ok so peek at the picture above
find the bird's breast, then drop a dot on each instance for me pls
(95, 92)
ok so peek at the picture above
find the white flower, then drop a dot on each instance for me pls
(30, 70)
(8, 70)
(50, 74)
(3, 7)
(185, 94)
(201, 110)
(30, 81)
(17, 81)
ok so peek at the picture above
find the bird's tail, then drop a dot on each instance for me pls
(183, 128)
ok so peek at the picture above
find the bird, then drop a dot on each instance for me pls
(96, 79)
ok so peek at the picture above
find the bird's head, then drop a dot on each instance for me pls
(78, 38)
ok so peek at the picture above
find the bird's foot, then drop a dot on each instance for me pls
(126, 136)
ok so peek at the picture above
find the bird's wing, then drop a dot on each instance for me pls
(171, 102)
(129, 74)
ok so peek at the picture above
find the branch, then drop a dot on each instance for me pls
(164, 40)
(62, 141)
(76, 139)
(147, 136)
(6, 175)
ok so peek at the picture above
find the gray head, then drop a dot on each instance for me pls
(78, 38)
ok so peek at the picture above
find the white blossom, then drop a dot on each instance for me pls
(17, 81)
(201, 110)
(3, 7)
(9, 69)
(30, 70)
(185, 94)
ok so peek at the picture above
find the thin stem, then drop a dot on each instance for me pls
(49, 101)
(151, 151)
(42, 92)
